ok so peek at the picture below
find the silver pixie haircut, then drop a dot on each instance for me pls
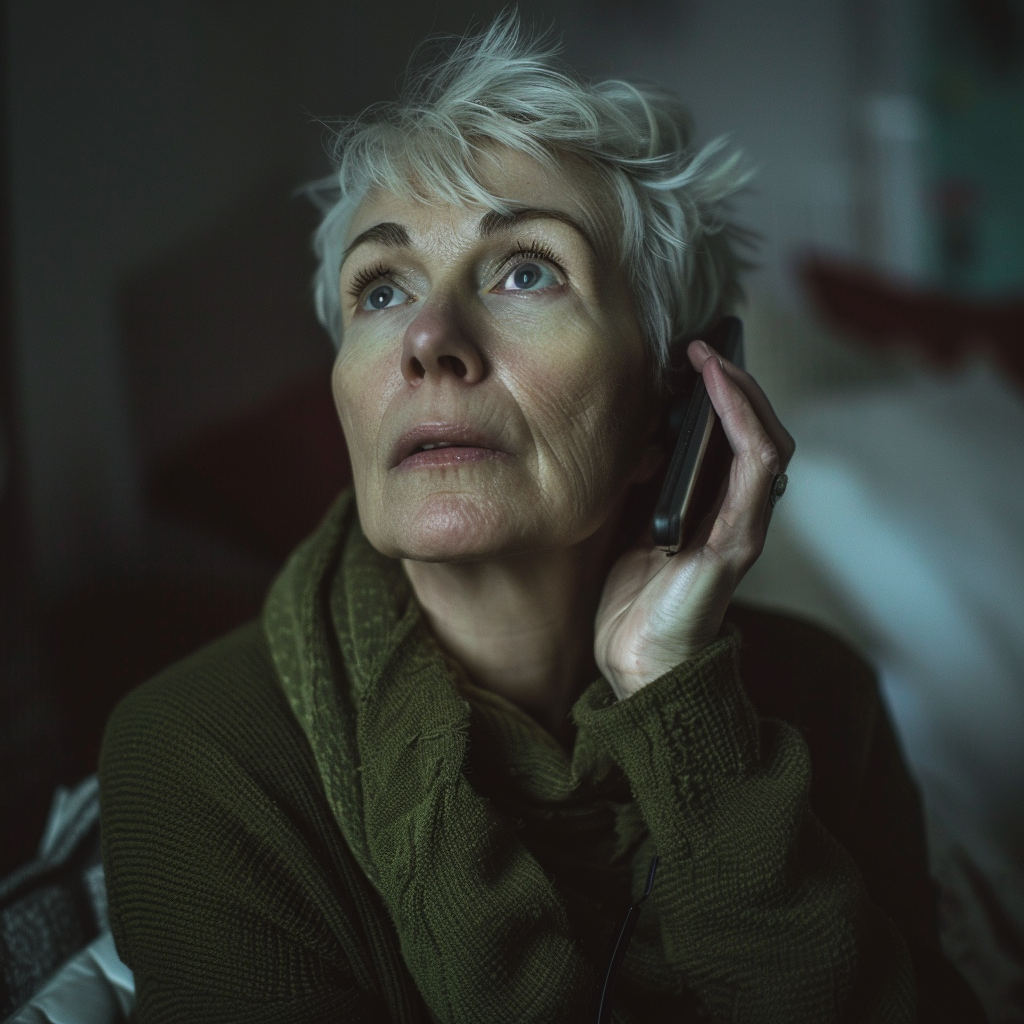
(507, 87)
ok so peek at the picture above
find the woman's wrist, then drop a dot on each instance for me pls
(628, 680)
(624, 685)
(698, 708)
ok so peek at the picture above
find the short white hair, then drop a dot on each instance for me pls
(507, 87)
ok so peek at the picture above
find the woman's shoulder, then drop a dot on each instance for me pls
(228, 879)
(199, 726)
(212, 731)
(861, 788)
(217, 696)
(201, 738)
(780, 644)
(797, 670)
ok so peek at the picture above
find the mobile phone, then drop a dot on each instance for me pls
(701, 455)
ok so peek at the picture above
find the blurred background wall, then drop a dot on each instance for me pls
(166, 428)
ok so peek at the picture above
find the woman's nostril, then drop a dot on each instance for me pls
(417, 367)
(454, 364)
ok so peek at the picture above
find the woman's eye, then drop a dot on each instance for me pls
(383, 296)
(530, 277)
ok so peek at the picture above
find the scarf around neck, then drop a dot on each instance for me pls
(504, 860)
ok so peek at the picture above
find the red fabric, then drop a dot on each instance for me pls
(886, 312)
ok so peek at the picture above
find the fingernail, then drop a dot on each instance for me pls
(704, 350)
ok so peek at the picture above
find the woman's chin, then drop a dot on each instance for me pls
(454, 528)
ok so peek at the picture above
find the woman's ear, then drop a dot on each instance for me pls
(643, 488)
(652, 457)
(653, 448)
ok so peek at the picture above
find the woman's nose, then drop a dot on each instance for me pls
(437, 345)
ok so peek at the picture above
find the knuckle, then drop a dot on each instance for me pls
(788, 446)
(769, 455)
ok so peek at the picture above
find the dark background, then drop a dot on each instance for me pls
(157, 284)
(166, 433)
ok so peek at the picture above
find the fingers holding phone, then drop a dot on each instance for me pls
(699, 464)
(761, 448)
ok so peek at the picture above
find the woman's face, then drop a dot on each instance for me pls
(492, 381)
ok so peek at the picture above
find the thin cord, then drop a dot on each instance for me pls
(604, 1009)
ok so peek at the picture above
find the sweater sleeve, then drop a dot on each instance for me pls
(224, 879)
(762, 911)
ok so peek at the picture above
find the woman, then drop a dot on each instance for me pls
(428, 783)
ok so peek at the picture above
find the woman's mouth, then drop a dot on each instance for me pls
(440, 445)
(444, 454)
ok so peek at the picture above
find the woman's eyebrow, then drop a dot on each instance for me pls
(492, 221)
(396, 236)
(387, 232)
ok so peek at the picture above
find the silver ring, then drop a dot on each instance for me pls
(778, 488)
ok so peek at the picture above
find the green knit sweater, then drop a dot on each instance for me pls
(320, 819)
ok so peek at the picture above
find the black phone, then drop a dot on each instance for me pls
(701, 454)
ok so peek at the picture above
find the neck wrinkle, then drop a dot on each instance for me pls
(521, 627)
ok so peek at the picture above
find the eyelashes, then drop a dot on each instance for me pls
(536, 249)
(366, 277)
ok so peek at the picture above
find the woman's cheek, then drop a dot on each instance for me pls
(572, 414)
(358, 392)
(548, 343)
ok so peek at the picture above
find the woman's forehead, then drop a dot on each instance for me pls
(515, 181)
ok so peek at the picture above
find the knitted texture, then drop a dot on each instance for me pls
(482, 928)
(390, 843)
(760, 913)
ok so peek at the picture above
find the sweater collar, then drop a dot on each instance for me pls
(482, 927)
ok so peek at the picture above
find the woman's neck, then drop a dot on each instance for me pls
(521, 626)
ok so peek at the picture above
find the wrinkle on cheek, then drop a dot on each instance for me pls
(542, 322)
(361, 396)
(573, 409)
